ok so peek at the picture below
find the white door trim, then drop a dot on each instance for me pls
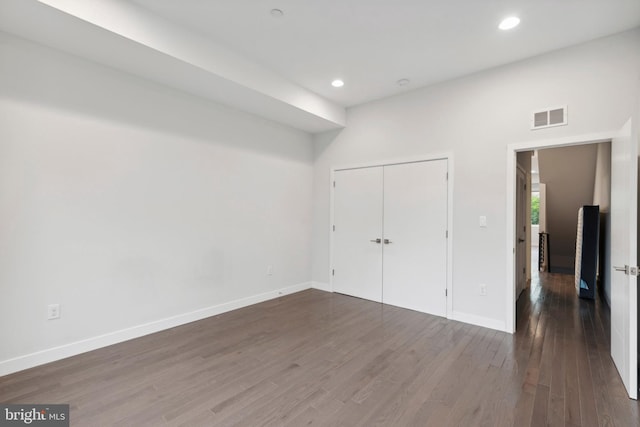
(520, 170)
(394, 161)
(512, 150)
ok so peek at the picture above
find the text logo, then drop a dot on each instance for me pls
(34, 415)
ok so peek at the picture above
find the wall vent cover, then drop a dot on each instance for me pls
(549, 117)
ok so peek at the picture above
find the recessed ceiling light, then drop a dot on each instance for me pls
(403, 82)
(277, 13)
(509, 23)
(337, 83)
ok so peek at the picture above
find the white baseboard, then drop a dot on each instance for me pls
(67, 350)
(485, 322)
(321, 286)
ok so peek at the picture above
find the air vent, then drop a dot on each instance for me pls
(556, 116)
(541, 119)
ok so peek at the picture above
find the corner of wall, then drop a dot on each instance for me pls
(322, 286)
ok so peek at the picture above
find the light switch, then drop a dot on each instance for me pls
(483, 221)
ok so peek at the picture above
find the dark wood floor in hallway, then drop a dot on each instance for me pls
(316, 358)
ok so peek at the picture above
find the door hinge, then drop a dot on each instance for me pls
(333, 272)
(334, 228)
(446, 234)
(446, 293)
(334, 184)
(446, 176)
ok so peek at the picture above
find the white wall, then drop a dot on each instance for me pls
(476, 117)
(543, 207)
(129, 203)
(602, 186)
(569, 174)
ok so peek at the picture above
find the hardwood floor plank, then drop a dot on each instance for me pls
(571, 386)
(540, 406)
(556, 413)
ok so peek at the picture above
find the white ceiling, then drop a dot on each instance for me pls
(373, 43)
(236, 53)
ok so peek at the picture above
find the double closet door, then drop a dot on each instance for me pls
(390, 234)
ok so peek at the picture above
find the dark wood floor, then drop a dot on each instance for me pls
(316, 358)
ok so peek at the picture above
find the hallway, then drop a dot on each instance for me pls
(570, 377)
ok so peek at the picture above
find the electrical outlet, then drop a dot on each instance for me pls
(269, 270)
(483, 289)
(53, 311)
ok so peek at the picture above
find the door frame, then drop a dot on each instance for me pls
(527, 231)
(448, 156)
(512, 151)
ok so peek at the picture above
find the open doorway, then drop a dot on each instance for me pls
(539, 244)
(623, 243)
(520, 156)
(573, 177)
(538, 259)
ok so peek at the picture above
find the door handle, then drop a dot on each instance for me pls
(628, 270)
(625, 269)
(387, 241)
(520, 240)
(376, 240)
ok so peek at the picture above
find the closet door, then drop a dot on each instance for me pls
(415, 225)
(357, 250)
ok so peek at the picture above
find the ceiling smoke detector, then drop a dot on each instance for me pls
(277, 13)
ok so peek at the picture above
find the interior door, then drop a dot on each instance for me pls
(357, 238)
(521, 228)
(415, 241)
(624, 173)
